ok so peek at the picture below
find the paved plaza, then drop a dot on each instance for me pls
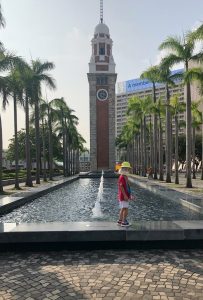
(102, 274)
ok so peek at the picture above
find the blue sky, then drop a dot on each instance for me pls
(61, 30)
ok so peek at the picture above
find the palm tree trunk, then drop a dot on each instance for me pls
(141, 146)
(37, 140)
(151, 144)
(188, 135)
(139, 154)
(1, 157)
(176, 150)
(50, 147)
(67, 156)
(64, 149)
(145, 148)
(171, 147)
(155, 135)
(27, 130)
(16, 142)
(44, 152)
(133, 166)
(78, 161)
(161, 177)
(72, 161)
(136, 155)
(168, 137)
(193, 153)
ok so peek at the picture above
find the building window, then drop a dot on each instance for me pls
(101, 49)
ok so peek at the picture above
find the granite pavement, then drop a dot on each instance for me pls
(126, 274)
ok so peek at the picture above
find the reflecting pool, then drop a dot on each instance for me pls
(96, 199)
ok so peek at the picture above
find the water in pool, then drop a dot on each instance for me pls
(96, 199)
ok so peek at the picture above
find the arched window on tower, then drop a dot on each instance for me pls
(101, 48)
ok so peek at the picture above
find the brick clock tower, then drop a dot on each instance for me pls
(102, 79)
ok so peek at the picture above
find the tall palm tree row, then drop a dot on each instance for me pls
(181, 50)
(53, 121)
(38, 76)
(139, 109)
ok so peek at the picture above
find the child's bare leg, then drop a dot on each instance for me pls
(125, 214)
(121, 214)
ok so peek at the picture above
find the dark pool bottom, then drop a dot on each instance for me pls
(76, 202)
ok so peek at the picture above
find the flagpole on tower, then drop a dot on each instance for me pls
(101, 11)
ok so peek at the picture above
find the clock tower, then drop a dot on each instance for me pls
(102, 80)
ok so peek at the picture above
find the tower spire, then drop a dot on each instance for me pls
(101, 11)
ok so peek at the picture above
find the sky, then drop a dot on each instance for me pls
(60, 31)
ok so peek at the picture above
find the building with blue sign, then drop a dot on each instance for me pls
(142, 88)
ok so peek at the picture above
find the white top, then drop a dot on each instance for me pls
(101, 28)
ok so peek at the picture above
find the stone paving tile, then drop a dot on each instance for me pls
(107, 275)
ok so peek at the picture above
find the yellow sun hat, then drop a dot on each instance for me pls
(125, 164)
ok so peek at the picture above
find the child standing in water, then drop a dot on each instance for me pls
(124, 194)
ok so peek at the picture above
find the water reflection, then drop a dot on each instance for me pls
(76, 202)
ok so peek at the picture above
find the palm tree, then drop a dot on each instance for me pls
(15, 90)
(38, 76)
(43, 120)
(182, 51)
(7, 61)
(126, 136)
(66, 121)
(135, 112)
(3, 92)
(192, 75)
(158, 109)
(80, 141)
(25, 75)
(2, 24)
(152, 74)
(140, 108)
(47, 116)
(60, 106)
(166, 77)
(66, 118)
(176, 108)
(196, 122)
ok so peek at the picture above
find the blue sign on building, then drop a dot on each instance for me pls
(141, 84)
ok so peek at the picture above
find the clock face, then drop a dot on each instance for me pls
(102, 94)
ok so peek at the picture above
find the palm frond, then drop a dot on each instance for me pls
(152, 74)
(193, 74)
(171, 60)
(48, 80)
(197, 34)
(174, 44)
(197, 57)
